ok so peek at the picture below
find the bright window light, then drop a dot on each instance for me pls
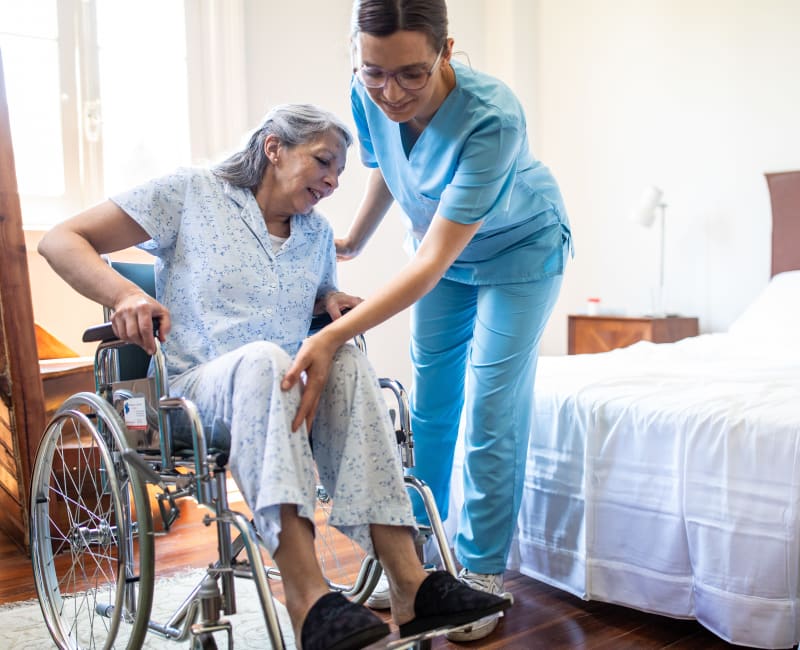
(29, 44)
(143, 94)
(98, 99)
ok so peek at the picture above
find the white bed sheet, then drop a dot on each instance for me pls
(667, 478)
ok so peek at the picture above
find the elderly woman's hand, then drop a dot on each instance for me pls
(133, 317)
(336, 302)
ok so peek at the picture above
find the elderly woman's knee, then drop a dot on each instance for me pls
(349, 361)
(263, 357)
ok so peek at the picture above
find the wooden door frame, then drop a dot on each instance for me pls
(20, 381)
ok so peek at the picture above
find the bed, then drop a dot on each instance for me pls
(666, 477)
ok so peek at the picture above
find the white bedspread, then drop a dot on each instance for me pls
(667, 478)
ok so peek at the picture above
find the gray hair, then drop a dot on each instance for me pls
(293, 124)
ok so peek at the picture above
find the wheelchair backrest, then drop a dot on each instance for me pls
(133, 361)
(141, 273)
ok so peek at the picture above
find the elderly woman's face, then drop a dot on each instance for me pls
(306, 173)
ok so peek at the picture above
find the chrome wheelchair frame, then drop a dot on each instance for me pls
(92, 535)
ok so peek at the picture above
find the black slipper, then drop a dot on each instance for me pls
(334, 623)
(444, 601)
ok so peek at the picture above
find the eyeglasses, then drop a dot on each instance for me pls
(411, 78)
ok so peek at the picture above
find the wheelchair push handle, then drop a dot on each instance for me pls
(105, 332)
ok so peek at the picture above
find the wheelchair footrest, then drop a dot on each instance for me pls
(422, 640)
(168, 508)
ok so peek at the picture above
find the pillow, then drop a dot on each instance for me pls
(775, 312)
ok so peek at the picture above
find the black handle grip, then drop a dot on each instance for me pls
(321, 320)
(105, 332)
(102, 332)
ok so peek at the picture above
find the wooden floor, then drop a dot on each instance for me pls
(542, 617)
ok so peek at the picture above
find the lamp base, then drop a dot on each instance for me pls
(663, 315)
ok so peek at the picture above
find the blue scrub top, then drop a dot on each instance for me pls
(470, 164)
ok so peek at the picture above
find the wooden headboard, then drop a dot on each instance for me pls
(784, 192)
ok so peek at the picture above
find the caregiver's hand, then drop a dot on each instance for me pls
(314, 359)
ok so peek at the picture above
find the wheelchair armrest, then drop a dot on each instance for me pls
(319, 321)
(105, 333)
(102, 333)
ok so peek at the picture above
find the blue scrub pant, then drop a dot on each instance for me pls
(489, 336)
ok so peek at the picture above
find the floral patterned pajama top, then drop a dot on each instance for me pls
(240, 310)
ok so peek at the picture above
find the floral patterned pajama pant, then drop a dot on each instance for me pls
(353, 440)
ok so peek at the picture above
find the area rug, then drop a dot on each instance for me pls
(22, 626)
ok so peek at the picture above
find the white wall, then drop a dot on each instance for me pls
(699, 97)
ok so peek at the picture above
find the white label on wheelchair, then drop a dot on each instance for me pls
(135, 412)
(133, 400)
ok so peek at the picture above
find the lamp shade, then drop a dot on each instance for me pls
(645, 211)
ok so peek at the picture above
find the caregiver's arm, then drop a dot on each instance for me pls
(374, 205)
(442, 244)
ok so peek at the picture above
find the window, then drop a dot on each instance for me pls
(98, 98)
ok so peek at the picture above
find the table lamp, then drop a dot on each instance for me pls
(650, 206)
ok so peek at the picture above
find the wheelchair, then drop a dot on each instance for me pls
(92, 522)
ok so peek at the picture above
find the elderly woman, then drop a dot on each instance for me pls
(242, 262)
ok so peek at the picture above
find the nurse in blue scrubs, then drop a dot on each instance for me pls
(488, 238)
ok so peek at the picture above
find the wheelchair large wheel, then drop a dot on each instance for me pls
(91, 531)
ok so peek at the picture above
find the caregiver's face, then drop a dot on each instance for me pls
(401, 73)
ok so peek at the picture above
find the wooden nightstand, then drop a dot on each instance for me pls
(604, 333)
